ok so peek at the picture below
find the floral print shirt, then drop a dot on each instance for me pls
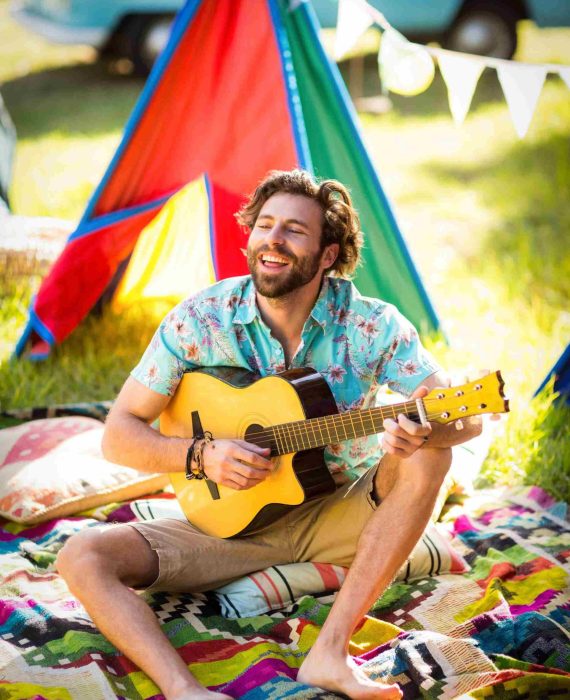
(357, 343)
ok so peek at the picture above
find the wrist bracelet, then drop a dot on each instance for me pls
(195, 454)
(189, 459)
(199, 472)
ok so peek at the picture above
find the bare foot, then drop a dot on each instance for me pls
(343, 676)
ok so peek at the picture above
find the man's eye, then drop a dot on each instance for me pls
(296, 230)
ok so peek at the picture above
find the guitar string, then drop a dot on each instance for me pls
(395, 409)
(268, 436)
(338, 420)
(285, 433)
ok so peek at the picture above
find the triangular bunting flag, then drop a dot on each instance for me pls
(521, 85)
(461, 74)
(405, 68)
(564, 73)
(352, 21)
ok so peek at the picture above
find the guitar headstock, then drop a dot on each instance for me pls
(483, 395)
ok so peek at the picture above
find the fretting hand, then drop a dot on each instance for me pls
(402, 436)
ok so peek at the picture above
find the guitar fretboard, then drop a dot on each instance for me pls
(296, 436)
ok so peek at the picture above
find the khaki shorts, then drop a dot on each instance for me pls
(324, 530)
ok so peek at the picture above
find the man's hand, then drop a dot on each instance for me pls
(403, 436)
(236, 464)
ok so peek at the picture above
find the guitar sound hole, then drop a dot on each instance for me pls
(252, 435)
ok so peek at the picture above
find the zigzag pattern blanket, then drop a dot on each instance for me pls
(501, 630)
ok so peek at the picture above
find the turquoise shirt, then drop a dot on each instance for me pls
(357, 343)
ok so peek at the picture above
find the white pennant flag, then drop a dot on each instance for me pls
(461, 74)
(565, 74)
(521, 85)
(352, 21)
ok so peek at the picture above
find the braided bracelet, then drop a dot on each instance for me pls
(199, 472)
(196, 454)
(189, 459)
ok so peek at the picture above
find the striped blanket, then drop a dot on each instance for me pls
(501, 630)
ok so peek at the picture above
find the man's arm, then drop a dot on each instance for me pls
(129, 439)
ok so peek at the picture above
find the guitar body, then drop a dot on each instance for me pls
(234, 403)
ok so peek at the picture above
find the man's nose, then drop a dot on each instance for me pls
(276, 234)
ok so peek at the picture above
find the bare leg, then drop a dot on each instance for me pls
(408, 490)
(99, 565)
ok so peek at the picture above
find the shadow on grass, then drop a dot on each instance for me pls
(81, 99)
(530, 237)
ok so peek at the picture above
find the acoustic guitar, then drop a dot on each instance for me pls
(293, 413)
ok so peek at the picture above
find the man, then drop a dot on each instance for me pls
(296, 309)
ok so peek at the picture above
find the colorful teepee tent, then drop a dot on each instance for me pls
(242, 88)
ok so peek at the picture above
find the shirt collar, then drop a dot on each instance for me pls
(247, 308)
(320, 312)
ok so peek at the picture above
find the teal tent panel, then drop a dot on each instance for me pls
(338, 151)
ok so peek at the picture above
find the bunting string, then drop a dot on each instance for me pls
(407, 68)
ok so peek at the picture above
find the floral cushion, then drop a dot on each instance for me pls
(54, 468)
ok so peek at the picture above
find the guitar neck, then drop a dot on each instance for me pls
(287, 438)
(441, 405)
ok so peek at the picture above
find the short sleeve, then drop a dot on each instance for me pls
(173, 349)
(405, 363)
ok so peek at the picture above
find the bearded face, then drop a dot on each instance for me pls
(285, 250)
(278, 272)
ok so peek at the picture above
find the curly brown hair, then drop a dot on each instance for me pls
(341, 223)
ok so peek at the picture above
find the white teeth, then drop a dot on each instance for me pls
(273, 258)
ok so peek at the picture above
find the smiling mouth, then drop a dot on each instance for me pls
(272, 262)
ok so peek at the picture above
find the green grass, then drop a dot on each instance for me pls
(486, 217)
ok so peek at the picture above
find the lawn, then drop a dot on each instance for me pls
(486, 217)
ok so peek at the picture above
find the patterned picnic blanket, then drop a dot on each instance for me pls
(502, 630)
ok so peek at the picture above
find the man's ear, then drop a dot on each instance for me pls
(330, 254)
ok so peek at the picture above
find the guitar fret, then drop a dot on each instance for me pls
(335, 430)
(362, 423)
(352, 424)
(295, 438)
(284, 441)
(343, 422)
(322, 422)
(278, 439)
(371, 418)
(315, 439)
(302, 434)
(290, 437)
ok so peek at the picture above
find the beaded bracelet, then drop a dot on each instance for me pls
(189, 459)
(199, 455)
(196, 454)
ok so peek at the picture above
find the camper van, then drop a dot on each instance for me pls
(139, 29)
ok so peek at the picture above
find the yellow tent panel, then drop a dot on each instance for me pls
(172, 257)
